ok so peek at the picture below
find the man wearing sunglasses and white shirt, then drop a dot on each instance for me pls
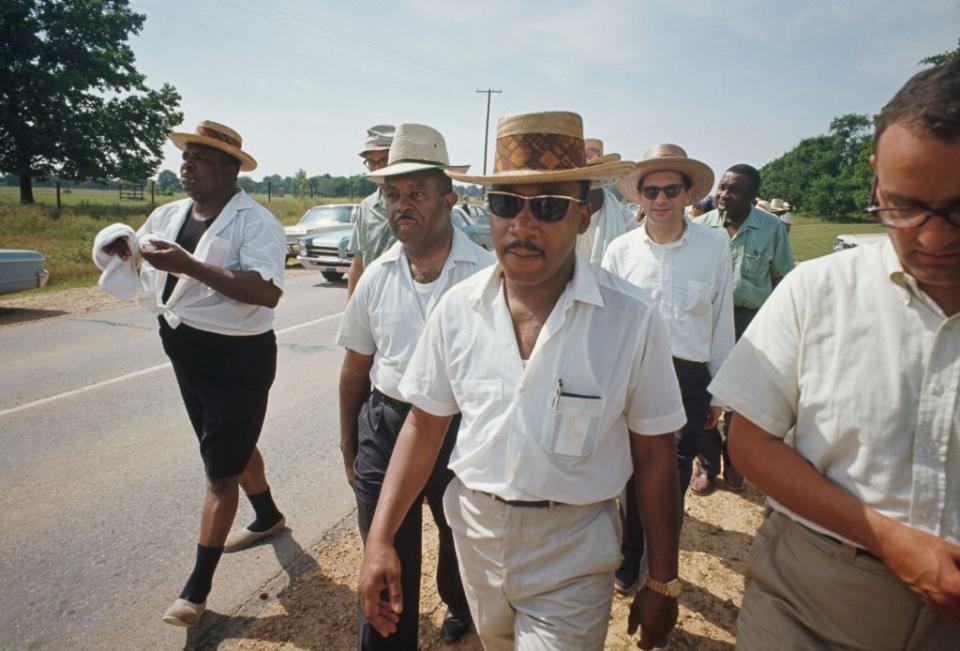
(563, 376)
(380, 328)
(859, 351)
(686, 271)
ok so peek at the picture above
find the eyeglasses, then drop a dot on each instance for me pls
(375, 163)
(909, 217)
(672, 191)
(545, 207)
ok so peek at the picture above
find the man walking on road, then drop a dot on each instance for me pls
(556, 415)
(684, 269)
(212, 266)
(761, 258)
(859, 353)
(371, 230)
(380, 329)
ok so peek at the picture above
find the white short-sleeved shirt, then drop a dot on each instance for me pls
(866, 367)
(691, 283)
(244, 237)
(384, 317)
(556, 428)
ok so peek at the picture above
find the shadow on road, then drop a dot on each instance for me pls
(10, 315)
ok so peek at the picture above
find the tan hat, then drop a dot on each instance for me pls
(594, 151)
(416, 147)
(379, 138)
(669, 158)
(545, 147)
(778, 206)
(216, 135)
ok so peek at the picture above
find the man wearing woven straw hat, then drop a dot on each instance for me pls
(761, 258)
(608, 219)
(212, 267)
(381, 325)
(562, 374)
(371, 232)
(781, 209)
(685, 270)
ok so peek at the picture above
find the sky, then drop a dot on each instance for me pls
(733, 81)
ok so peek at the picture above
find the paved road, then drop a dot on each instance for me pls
(101, 482)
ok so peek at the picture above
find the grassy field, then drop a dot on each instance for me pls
(66, 236)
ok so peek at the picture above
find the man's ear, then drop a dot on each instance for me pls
(450, 199)
(583, 212)
(873, 163)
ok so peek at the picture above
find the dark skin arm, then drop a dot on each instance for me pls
(354, 389)
(928, 565)
(658, 500)
(243, 286)
(353, 276)
(414, 456)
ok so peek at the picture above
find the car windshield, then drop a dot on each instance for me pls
(326, 215)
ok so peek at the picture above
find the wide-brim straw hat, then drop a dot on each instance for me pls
(669, 158)
(546, 147)
(594, 150)
(415, 148)
(219, 136)
(379, 138)
(778, 206)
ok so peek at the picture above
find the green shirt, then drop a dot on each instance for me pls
(371, 230)
(761, 255)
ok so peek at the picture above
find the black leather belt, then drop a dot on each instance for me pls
(535, 504)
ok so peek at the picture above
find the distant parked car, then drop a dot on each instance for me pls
(475, 226)
(327, 252)
(849, 241)
(319, 219)
(21, 270)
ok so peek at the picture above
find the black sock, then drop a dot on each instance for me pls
(198, 585)
(267, 513)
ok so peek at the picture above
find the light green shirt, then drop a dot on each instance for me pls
(371, 231)
(761, 255)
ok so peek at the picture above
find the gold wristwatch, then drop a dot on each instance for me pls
(670, 589)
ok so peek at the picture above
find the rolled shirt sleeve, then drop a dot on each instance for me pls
(355, 331)
(654, 405)
(264, 250)
(782, 260)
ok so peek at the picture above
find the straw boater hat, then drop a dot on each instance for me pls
(379, 138)
(595, 155)
(778, 206)
(669, 158)
(544, 148)
(218, 136)
(415, 148)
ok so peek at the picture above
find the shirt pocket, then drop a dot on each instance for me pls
(753, 265)
(571, 426)
(697, 299)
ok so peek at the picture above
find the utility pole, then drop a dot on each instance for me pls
(486, 130)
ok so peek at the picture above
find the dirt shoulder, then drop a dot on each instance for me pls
(316, 610)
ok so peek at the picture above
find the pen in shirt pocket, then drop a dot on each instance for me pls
(557, 394)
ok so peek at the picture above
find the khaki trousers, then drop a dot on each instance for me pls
(535, 578)
(807, 591)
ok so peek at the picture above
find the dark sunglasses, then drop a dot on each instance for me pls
(672, 191)
(545, 207)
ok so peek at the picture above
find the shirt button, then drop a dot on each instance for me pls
(936, 389)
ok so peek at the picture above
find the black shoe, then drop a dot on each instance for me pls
(626, 576)
(454, 626)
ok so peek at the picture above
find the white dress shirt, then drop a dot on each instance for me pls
(384, 317)
(244, 237)
(866, 366)
(690, 281)
(556, 428)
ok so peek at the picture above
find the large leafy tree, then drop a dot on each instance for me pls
(943, 57)
(71, 101)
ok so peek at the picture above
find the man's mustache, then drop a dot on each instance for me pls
(523, 244)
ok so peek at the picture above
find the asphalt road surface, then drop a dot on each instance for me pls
(101, 481)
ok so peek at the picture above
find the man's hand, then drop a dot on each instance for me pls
(655, 614)
(930, 566)
(380, 571)
(168, 256)
(713, 417)
(118, 247)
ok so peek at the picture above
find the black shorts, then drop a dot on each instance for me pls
(225, 381)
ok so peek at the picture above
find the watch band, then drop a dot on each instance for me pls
(666, 588)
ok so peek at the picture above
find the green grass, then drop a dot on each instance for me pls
(66, 236)
(811, 237)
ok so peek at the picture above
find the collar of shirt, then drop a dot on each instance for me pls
(907, 285)
(750, 222)
(460, 251)
(684, 236)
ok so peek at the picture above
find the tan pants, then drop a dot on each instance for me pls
(536, 578)
(806, 591)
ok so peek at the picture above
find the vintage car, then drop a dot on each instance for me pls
(327, 252)
(475, 225)
(849, 241)
(319, 219)
(21, 270)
